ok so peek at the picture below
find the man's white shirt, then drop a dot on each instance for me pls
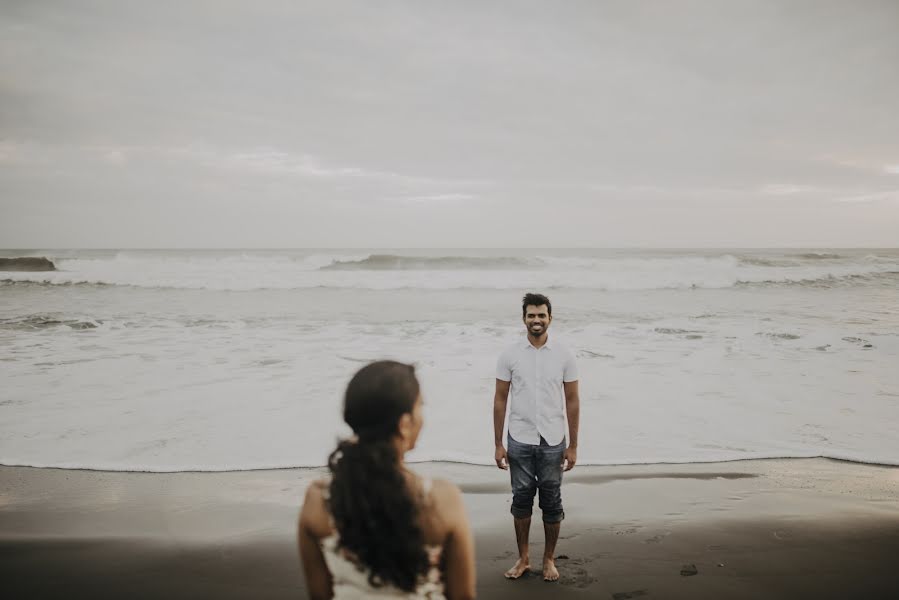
(537, 396)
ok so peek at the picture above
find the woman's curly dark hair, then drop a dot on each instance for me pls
(373, 508)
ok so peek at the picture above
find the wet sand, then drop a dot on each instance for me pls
(809, 528)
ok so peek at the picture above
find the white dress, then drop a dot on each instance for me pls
(350, 580)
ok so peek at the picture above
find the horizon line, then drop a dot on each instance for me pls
(264, 248)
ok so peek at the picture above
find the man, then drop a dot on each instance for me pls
(537, 371)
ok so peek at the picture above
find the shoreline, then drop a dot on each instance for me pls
(438, 462)
(786, 528)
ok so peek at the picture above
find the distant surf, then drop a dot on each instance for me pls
(386, 271)
(382, 262)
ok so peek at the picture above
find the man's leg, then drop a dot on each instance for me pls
(523, 564)
(551, 531)
(549, 482)
(524, 487)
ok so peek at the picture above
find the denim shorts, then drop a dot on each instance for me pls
(532, 468)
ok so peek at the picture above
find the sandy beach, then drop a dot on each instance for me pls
(810, 528)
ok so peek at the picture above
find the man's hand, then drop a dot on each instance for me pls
(569, 458)
(502, 460)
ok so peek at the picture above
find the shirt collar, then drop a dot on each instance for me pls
(527, 343)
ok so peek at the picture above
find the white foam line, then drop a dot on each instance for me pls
(109, 467)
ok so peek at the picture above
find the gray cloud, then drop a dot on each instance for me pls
(282, 123)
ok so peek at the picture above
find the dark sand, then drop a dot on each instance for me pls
(809, 528)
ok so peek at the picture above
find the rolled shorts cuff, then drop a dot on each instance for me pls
(553, 516)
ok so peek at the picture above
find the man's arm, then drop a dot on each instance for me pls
(573, 407)
(500, 398)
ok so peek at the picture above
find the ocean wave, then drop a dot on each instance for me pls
(818, 256)
(47, 321)
(46, 282)
(365, 271)
(472, 281)
(395, 262)
(796, 260)
(398, 262)
(826, 280)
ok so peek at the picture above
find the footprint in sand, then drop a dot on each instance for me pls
(574, 575)
(627, 531)
(582, 560)
(657, 538)
(626, 595)
(783, 534)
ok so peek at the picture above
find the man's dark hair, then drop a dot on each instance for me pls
(535, 300)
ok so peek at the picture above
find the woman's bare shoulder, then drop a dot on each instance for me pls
(447, 499)
(318, 489)
(444, 486)
(314, 515)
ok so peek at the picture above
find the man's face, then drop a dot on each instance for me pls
(537, 319)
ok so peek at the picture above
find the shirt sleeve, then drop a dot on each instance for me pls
(569, 371)
(504, 367)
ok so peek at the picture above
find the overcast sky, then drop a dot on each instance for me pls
(400, 124)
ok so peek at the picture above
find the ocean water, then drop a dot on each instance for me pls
(237, 359)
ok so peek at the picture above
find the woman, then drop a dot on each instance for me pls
(376, 529)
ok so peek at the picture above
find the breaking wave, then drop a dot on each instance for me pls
(388, 262)
(380, 271)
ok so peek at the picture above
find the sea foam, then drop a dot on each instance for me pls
(680, 363)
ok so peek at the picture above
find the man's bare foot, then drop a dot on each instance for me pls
(550, 573)
(521, 567)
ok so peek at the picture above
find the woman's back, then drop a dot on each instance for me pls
(376, 528)
(352, 580)
(447, 545)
